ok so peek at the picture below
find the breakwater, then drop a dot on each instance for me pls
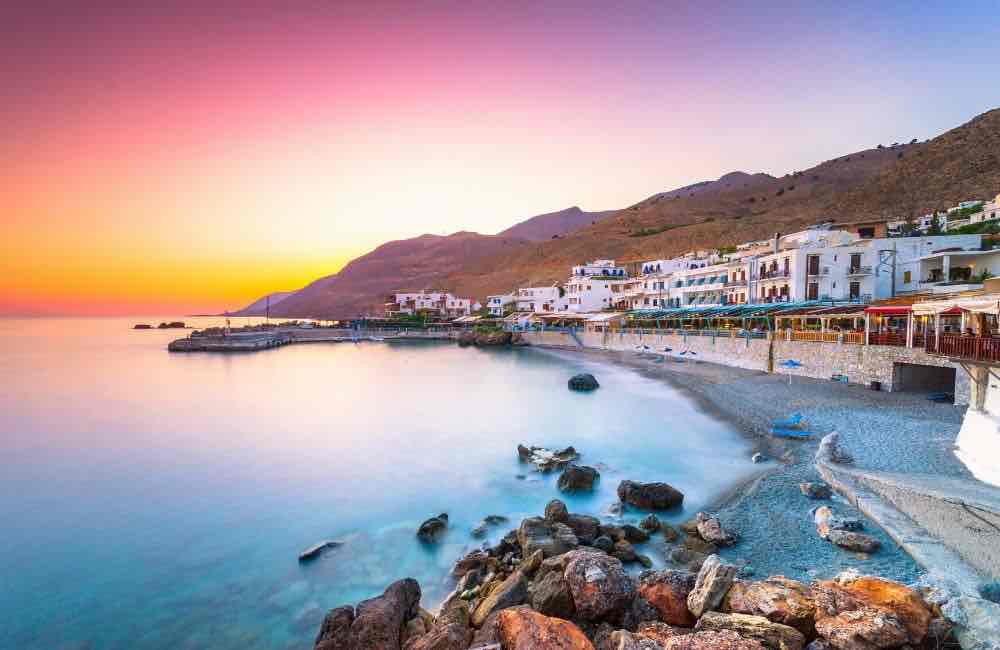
(250, 341)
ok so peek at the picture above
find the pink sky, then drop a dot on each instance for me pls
(180, 159)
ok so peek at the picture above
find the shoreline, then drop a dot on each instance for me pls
(768, 505)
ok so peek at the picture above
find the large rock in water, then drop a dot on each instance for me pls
(770, 634)
(433, 528)
(778, 599)
(377, 624)
(713, 581)
(577, 478)
(583, 381)
(522, 629)
(667, 592)
(546, 460)
(552, 538)
(598, 583)
(649, 496)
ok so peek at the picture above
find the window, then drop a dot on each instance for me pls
(813, 291)
(855, 290)
(907, 278)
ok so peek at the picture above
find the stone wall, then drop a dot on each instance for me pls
(861, 364)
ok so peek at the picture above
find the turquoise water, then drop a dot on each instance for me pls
(155, 500)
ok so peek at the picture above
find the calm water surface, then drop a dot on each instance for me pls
(155, 500)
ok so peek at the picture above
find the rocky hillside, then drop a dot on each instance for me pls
(899, 180)
(259, 307)
(410, 264)
(554, 224)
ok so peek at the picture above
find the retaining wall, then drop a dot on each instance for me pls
(861, 364)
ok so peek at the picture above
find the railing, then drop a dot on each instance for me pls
(819, 271)
(736, 283)
(887, 338)
(815, 337)
(774, 275)
(859, 270)
(975, 348)
(854, 338)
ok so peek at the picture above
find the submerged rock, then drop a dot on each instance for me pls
(650, 496)
(484, 526)
(583, 382)
(433, 528)
(650, 523)
(317, 549)
(577, 478)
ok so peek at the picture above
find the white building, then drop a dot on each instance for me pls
(500, 304)
(440, 303)
(531, 299)
(990, 211)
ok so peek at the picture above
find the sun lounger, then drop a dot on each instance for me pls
(794, 420)
(781, 432)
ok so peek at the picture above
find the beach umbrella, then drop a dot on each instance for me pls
(790, 364)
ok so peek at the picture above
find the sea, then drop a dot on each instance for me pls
(160, 500)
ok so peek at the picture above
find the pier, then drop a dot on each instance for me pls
(252, 341)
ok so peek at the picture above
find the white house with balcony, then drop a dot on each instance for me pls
(500, 304)
(533, 299)
(990, 211)
(440, 303)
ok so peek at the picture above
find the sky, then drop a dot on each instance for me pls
(190, 157)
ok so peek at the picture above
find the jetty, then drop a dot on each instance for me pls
(265, 339)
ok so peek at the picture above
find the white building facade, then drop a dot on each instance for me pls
(440, 303)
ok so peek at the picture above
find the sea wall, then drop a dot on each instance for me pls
(861, 364)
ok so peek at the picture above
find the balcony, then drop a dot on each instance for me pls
(777, 274)
(969, 348)
(735, 282)
(859, 270)
(819, 271)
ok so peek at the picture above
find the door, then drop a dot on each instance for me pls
(812, 291)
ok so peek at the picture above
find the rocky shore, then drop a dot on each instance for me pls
(559, 582)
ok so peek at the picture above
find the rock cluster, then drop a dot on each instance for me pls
(546, 460)
(844, 531)
(487, 337)
(558, 582)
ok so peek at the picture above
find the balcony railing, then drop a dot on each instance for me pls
(973, 348)
(824, 270)
(887, 338)
(859, 270)
(774, 275)
(735, 282)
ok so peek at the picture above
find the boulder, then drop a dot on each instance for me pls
(855, 606)
(583, 382)
(853, 541)
(335, 632)
(649, 496)
(624, 551)
(546, 460)
(532, 563)
(635, 534)
(379, 622)
(711, 585)
(549, 565)
(625, 640)
(488, 522)
(598, 583)
(685, 558)
(660, 632)
(474, 560)
(639, 612)
(487, 635)
(522, 629)
(710, 529)
(551, 596)
(771, 635)
(585, 527)
(816, 490)
(556, 511)
(450, 631)
(710, 640)
(698, 545)
(667, 592)
(778, 599)
(432, 529)
(512, 591)
(650, 523)
(604, 543)
(552, 538)
(670, 533)
(577, 478)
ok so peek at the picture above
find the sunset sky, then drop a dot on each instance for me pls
(183, 159)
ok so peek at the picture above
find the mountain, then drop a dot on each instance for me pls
(555, 224)
(899, 180)
(259, 307)
(409, 264)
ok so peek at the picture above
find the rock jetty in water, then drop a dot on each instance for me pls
(583, 382)
(546, 587)
(649, 496)
(316, 550)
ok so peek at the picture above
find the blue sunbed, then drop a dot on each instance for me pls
(781, 432)
(792, 421)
